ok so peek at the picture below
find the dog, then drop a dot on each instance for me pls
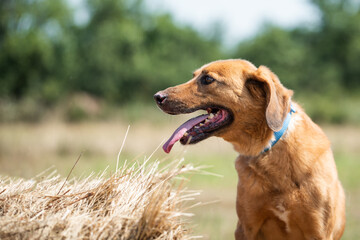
(288, 186)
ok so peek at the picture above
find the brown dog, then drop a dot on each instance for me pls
(288, 185)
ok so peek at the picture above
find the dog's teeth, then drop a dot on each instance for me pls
(186, 134)
(211, 116)
(207, 120)
(201, 124)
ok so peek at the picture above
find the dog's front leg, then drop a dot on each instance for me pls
(239, 232)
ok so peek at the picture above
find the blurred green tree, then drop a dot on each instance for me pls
(323, 59)
(127, 54)
(337, 41)
(37, 50)
(123, 53)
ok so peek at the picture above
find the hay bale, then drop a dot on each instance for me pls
(136, 202)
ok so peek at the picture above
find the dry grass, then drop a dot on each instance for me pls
(26, 149)
(135, 202)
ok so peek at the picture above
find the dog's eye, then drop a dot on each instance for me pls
(206, 80)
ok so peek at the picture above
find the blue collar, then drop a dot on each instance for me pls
(280, 133)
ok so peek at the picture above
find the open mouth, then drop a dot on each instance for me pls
(200, 128)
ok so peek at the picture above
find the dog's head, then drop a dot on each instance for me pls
(244, 105)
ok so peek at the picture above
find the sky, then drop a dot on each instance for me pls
(240, 19)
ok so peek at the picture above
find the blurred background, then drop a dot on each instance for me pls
(74, 74)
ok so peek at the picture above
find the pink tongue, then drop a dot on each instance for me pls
(180, 131)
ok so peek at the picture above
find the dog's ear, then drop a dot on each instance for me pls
(264, 83)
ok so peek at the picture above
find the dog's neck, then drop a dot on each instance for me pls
(251, 145)
(280, 133)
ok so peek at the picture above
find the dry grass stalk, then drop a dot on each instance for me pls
(136, 202)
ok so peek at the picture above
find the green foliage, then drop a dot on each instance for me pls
(34, 48)
(321, 60)
(124, 54)
(76, 114)
(121, 54)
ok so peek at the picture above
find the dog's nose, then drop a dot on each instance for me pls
(160, 97)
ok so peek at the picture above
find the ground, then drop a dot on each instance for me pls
(27, 149)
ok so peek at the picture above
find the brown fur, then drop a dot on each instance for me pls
(290, 192)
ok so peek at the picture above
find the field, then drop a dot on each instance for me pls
(27, 149)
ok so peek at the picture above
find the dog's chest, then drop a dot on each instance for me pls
(263, 204)
(267, 218)
(282, 214)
